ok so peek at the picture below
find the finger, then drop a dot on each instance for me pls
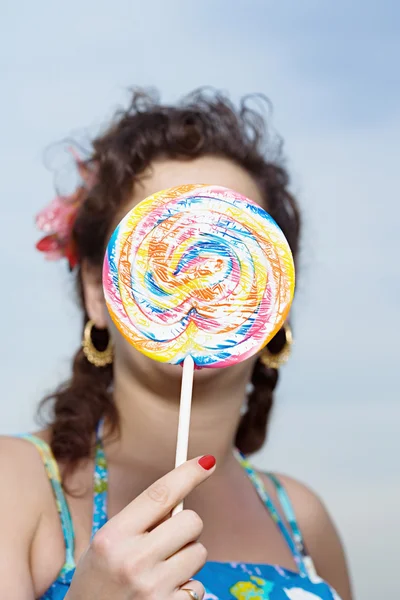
(191, 586)
(173, 535)
(162, 496)
(183, 565)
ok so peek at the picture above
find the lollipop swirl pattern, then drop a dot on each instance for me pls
(200, 271)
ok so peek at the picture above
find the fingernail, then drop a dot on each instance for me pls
(207, 462)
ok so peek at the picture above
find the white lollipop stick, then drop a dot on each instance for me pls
(184, 417)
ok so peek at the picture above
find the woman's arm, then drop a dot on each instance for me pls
(320, 536)
(19, 518)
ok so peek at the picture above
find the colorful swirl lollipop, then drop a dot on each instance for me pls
(198, 271)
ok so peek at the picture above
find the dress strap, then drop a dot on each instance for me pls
(100, 486)
(262, 492)
(288, 511)
(53, 473)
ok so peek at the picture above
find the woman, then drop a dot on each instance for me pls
(116, 419)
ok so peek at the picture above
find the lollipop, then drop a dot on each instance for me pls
(198, 275)
(198, 271)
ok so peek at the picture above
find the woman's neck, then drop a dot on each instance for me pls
(148, 409)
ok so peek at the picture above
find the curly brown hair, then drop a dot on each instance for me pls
(203, 123)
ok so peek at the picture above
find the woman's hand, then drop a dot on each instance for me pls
(140, 555)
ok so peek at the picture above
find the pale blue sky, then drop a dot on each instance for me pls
(331, 72)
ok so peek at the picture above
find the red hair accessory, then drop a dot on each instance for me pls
(57, 219)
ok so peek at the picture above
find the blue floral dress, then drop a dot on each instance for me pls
(222, 581)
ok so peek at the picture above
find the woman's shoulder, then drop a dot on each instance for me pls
(308, 505)
(22, 472)
(23, 489)
(318, 530)
(20, 449)
(21, 467)
(309, 509)
(25, 499)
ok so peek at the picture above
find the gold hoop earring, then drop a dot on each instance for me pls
(98, 358)
(274, 361)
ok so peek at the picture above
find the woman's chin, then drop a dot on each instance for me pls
(175, 371)
(156, 371)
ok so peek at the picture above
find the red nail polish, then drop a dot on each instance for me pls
(207, 462)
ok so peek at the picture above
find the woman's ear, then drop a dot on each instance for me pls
(93, 295)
